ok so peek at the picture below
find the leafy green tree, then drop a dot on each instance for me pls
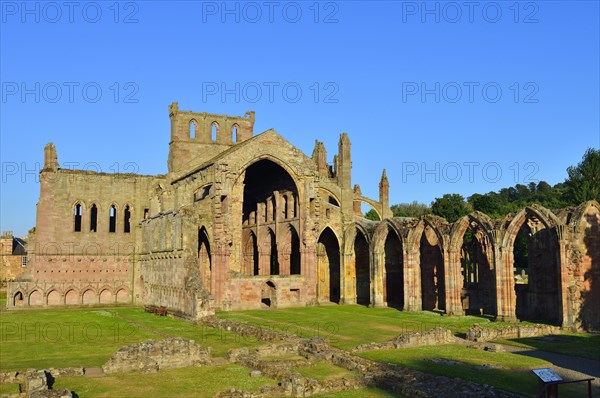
(414, 209)
(583, 182)
(451, 207)
(486, 204)
(372, 215)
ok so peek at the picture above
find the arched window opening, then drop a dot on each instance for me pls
(479, 282)
(250, 254)
(93, 218)
(18, 299)
(536, 256)
(285, 207)
(204, 257)
(363, 274)
(274, 256)
(77, 215)
(214, 129)
(295, 254)
(126, 220)
(112, 219)
(192, 129)
(394, 278)
(328, 267)
(432, 271)
(234, 133)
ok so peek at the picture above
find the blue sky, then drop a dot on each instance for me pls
(449, 97)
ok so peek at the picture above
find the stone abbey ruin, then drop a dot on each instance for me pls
(244, 221)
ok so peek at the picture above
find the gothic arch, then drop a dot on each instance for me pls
(539, 295)
(328, 267)
(584, 270)
(426, 264)
(471, 274)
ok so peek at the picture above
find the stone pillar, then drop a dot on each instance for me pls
(412, 282)
(377, 279)
(347, 291)
(284, 263)
(567, 318)
(505, 283)
(348, 295)
(454, 283)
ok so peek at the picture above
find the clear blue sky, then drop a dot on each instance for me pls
(448, 97)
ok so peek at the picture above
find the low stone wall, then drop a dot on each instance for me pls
(478, 333)
(35, 383)
(434, 336)
(152, 355)
(260, 333)
(407, 382)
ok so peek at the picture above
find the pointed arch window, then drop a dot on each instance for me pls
(126, 220)
(112, 219)
(93, 218)
(77, 217)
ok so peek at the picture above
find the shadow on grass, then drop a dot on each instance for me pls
(578, 345)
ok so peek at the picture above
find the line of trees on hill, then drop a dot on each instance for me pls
(582, 184)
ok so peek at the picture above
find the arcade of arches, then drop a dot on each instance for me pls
(245, 221)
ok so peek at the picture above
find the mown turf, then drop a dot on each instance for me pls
(347, 326)
(360, 393)
(9, 389)
(2, 298)
(325, 371)
(577, 344)
(514, 373)
(193, 382)
(220, 341)
(88, 337)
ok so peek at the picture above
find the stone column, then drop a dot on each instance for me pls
(377, 279)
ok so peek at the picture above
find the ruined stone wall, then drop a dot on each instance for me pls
(11, 267)
(90, 265)
(584, 267)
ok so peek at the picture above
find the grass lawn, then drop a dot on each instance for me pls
(2, 298)
(350, 325)
(360, 393)
(202, 381)
(219, 340)
(578, 344)
(9, 389)
(325, 371)
(514, 373)
(88, 336)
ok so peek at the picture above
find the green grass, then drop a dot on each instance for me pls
(360, 393)
(204, 381)
(578, 344)
(325, 371)
(88, 337)
(9, 389)
(2, 298)
(515, 374)
(350, 325)
(220, 341)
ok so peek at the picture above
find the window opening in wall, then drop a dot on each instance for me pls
(192, 129)
(93, 218)
(213, 132)
(112, 219)
(126, 220)
(78, 211)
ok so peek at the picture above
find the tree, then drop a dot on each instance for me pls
(485, 203)
(414, 209)
(451, 207)
(583, 182)
(372, 215)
